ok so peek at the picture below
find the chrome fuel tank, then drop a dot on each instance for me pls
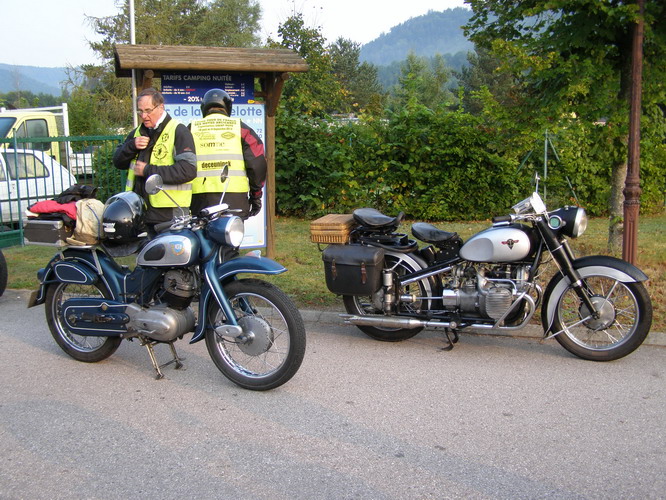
(498, 244)
(169, 250)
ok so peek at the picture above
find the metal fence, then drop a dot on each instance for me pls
(30, 172)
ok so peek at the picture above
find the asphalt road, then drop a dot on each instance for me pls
(494, 418)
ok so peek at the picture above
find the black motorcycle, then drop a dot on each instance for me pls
(597, 307)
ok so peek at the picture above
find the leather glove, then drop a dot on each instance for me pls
(255, 203)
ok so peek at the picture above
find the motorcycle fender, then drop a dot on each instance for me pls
(64, 271)
(618, 269)
(224, 272)
(251, 265)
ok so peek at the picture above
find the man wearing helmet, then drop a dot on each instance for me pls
(225, 141)
(160, 145)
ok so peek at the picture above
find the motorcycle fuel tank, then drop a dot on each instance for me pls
(168, 250)
(497, 244)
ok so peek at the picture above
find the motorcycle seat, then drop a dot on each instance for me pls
(430, 234)
(374, 219)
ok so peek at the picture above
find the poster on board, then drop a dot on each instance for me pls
(183, 94)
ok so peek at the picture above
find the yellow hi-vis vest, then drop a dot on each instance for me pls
(218, 141)
(162, 156)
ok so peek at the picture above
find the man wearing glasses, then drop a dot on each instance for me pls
(160, 145)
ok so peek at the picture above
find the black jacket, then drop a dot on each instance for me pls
(183, 170)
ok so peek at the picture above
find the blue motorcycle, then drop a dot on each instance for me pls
(253, 331)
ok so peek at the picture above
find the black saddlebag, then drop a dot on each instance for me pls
(353, 269)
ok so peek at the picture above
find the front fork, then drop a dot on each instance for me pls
(564, 257)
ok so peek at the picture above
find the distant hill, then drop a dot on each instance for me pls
(35, 79)
(426, 35)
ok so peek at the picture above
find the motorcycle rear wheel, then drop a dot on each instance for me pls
(275, 344)
(625, 319)
(361, 306)
(79, 347)
(3, 273)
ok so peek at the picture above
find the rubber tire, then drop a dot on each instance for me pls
(108, 346)
(627, 346)
(293, 322)
(3, 273)
(352, 306)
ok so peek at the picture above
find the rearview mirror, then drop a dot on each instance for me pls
(154, 184)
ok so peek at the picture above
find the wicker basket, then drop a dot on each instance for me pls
(331, 228)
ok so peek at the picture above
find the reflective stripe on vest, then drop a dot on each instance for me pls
(162, 156)
(218, 141)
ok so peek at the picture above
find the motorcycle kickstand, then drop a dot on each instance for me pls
(153, 359)
(449, 340)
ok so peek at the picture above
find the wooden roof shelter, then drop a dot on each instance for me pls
(271, 67)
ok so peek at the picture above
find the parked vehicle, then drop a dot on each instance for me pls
(253, 331)
(26, 177)
(596, 307)
(44, 122)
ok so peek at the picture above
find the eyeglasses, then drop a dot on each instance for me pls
(142, 112)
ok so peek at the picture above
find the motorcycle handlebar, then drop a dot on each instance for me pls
(162, 226)
(502, 218)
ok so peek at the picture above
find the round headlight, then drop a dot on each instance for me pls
(574, 221)
(235, 232)
(227, 230)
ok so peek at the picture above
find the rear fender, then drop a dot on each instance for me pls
(215, 277)
(69, 270)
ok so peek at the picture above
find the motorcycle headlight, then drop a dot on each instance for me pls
(570, 221)
(227, 230)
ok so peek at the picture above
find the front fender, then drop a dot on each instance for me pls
(252, 265)
(212, 286)
(604, 265)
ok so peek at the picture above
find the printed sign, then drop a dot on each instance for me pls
(183, 94)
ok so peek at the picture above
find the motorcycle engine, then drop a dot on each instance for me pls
(485, 291)
(179, 287)
(168, 320)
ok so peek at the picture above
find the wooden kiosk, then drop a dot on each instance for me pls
(270, 67)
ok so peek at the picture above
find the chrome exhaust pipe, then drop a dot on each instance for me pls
(394, 322)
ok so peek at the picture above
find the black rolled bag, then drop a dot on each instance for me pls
(353, 269)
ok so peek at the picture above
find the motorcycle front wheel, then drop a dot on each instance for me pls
(271, 348)
(361, 306)
(625, 317)
(79, 347)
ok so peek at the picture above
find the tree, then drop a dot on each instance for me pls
(573, 56)
(316, 92)
(422, 82)
(358, 80)
(161, 22)
(483, 71)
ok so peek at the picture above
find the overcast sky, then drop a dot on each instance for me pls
(55, 33)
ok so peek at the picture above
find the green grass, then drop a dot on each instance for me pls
(305, 279)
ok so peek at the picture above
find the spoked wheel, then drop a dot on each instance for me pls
(87, 349)
(361, 306)
(272, 345)
(624, 319)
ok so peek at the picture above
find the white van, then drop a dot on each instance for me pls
(29, 176)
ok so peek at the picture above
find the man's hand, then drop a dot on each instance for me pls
(255, 203)
(140, 165)
(141, 142)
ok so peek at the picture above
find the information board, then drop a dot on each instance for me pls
(183, 94)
